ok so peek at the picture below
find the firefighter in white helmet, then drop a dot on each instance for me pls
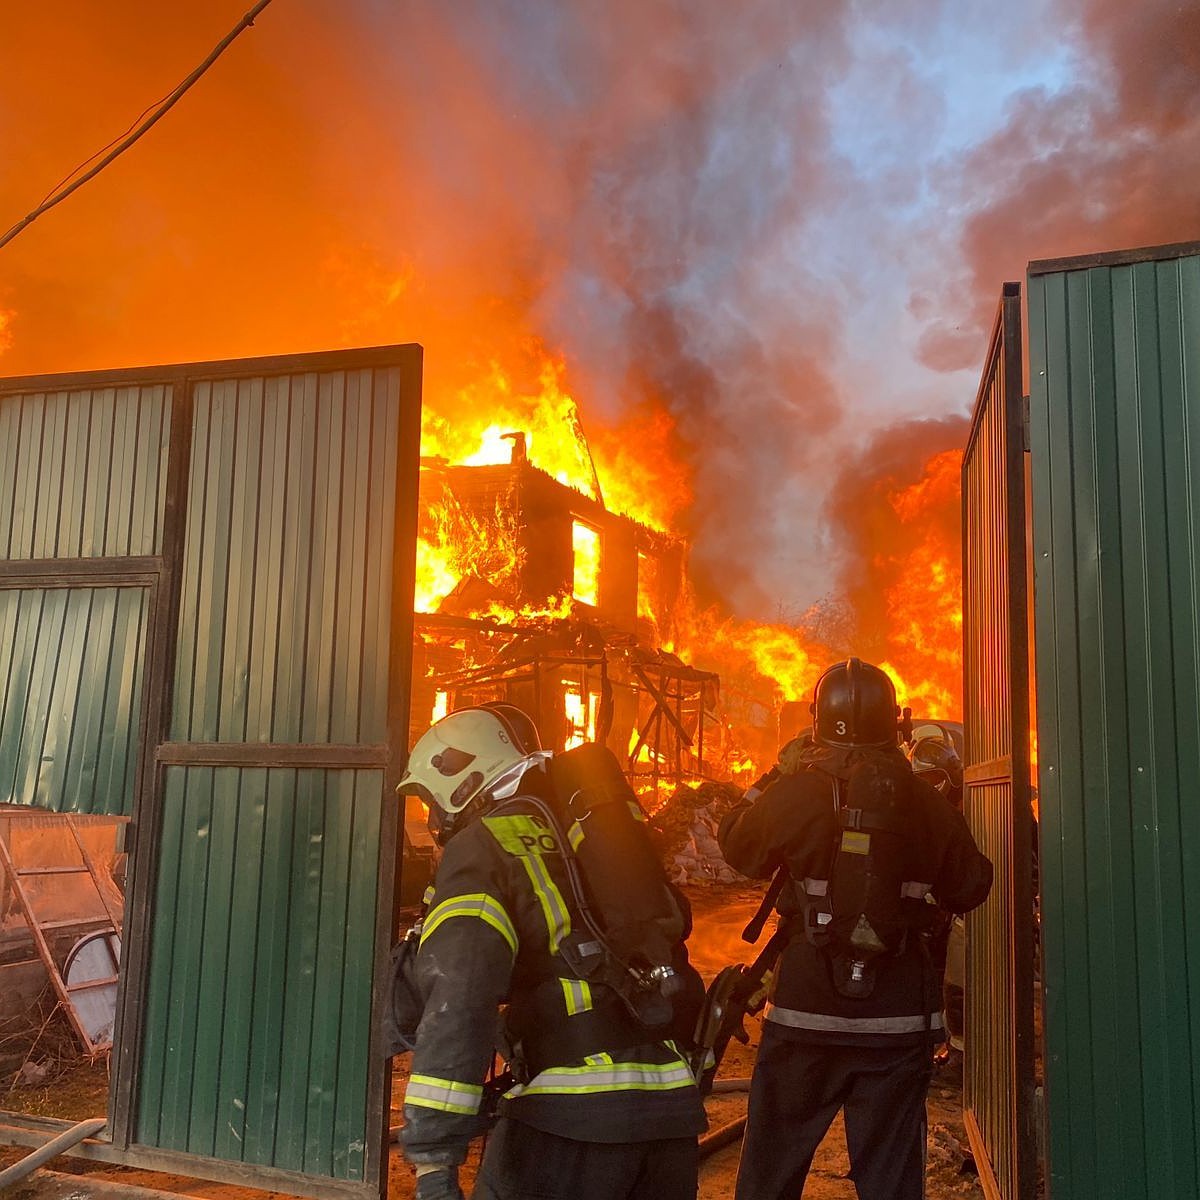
(599, 1106)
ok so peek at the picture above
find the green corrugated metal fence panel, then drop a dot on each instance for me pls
(256, 1023)
(70, 696)
(1115, 407)
(83, 471)
(287, 585)
(261, 967)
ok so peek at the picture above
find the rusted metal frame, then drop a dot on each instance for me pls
(980, 1153)
(141, 571)
(146, 825)
(17, 1129)
(44, 952)
(186, 374)
(1114, 258)
(318, 756)
(979, 471)
(92, 870)
(400, 663)
(1004, 355)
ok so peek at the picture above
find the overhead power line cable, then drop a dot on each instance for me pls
(149, 118)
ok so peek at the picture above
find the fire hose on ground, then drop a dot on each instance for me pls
(726, 1135)
(56, 1146)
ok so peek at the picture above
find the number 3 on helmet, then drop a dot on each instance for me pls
(854, 704)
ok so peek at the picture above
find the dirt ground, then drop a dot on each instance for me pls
(720, 914)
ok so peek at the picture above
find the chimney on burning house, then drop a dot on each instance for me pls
(520, 453)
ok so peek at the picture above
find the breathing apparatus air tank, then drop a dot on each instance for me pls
(627, 897)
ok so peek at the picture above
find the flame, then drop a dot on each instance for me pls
(6, 319)
(784, 658)
(580, 714)
(471, 563)
(924, 601)
(586, 543)
(641, 477)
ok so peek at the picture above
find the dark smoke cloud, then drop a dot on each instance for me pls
(648, 189)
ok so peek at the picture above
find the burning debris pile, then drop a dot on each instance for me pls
(685, 829)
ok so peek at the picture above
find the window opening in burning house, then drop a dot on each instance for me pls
(580, 707)
(586, 580)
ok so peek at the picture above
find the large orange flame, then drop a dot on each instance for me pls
(924, 601)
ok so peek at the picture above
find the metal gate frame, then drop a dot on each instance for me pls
(998, 1079)
(162, 575)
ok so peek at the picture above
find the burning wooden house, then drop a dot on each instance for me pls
(532, 592)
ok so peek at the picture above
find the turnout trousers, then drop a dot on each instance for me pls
(523, 1163)
(796, 1092)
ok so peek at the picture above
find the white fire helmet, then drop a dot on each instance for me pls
(470, 754)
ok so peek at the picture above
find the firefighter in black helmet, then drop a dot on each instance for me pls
(598, 1106)
(858, 1039)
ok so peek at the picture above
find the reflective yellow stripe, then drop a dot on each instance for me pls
(608, 1077)
(523, 835)
(446, 1095)
(598, 1060)
(428, 897)
(577, 993)
(554, 908)
(575, 835)
(485, 907)
(636, 810)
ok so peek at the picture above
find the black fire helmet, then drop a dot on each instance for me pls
(854, 704)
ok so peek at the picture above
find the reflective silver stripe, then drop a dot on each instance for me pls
(445, 1095)
(816, 887)
(577, 995)
(830, 1024)
(614, 1077)
(915, 891)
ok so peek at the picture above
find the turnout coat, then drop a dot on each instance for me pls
(794, 823)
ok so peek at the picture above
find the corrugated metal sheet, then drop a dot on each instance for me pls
(288, 576)
(256, 1034)
(70, 696)
(275, 536)
(1115, 370)
(265, 917)
(998, 1079)
(83, 472)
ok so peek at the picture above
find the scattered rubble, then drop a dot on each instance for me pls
(686, 830)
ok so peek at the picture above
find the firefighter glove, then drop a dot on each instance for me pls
(438, 1183)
